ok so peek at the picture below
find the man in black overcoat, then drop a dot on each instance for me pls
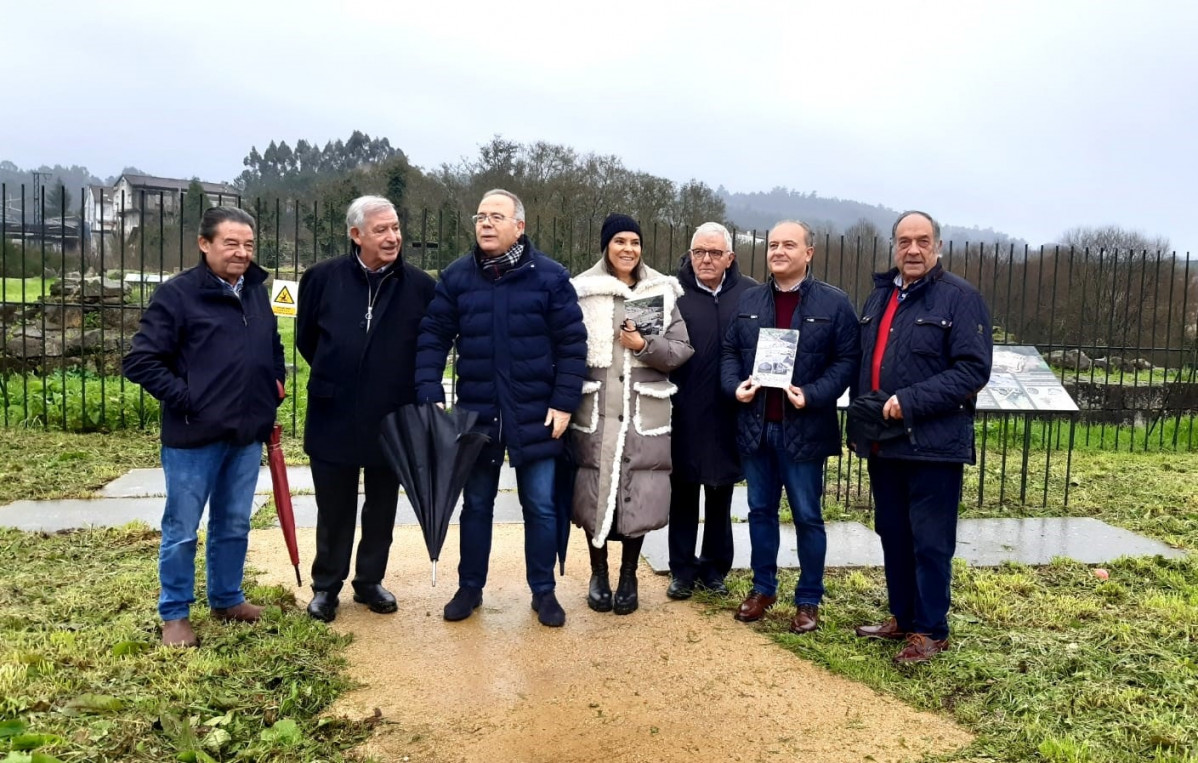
(704, 421)
(358, 320)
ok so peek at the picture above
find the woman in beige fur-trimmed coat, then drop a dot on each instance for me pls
(620, 434)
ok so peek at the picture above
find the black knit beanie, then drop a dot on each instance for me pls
(616, 224)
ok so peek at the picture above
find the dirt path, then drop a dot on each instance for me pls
(667, 683)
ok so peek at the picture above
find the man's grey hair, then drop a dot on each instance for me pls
(807, 232)
(361, 207)
(707, 228)
(515, 200)
(925, 215)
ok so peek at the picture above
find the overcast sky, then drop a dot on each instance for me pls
(1029, 117)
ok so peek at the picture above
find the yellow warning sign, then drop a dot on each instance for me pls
(284, 298)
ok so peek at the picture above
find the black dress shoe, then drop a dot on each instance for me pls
(715, 587)
(548, 610)
(680, 589)
(323, 606)
(463, 603)
(377, 598)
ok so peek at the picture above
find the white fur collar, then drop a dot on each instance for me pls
(597, 291)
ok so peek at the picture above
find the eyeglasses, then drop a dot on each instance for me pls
(494, 217)
(698, 255)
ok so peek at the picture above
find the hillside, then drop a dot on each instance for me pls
(759, 210)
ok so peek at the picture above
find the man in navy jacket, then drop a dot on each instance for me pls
(927, 342)
(786, 435)
(357, 325)
(208, 348)
(521, 364)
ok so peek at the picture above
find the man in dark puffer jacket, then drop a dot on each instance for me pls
(521, 364)
(926, 341)
(786, 435)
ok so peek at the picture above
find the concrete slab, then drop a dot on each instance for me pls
(850, 544)
(990, 542)
(143, 483)
(980, 542)
(51, 516)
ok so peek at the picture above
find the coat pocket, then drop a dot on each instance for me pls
(586, 418)
(653, 407)
(929, 335)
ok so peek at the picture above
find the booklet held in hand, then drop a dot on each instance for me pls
(775, 360)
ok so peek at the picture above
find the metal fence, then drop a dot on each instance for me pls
(1121, 325)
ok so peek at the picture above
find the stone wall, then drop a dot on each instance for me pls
(84, 323)
(1112, 403)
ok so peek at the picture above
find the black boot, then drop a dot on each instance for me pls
(625, 601)
(599, 595)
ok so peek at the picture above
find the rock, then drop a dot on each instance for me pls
(127, 316)
(95, 341)
(63, 317)
(1071, 359)
(1119, 363)
(97, 289)
(1141, 364)
(29, 344)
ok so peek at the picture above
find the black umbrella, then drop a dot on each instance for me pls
(565, 470)
(432, 452)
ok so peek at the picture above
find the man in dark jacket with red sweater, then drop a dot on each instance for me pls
(358, 320)
(927, 344)
(704, 454)
(208, 348)
(785, 435)
(521, 363)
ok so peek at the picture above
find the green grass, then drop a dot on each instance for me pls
(39, 465)
(82, 677)
(1047, 663)
(1138, 377)
(43, 465)
(17, 290)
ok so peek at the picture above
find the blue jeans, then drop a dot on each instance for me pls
(768, 471)
(223, 476)
(534, 484)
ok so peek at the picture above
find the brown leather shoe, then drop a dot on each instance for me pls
(806, 619)
(889, 630)
(179, 633)
(754, 607)
(242, 613)
(920, 648)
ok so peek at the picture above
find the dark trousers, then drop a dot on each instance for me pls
(336, 520)
(715, 558)
(915, 505)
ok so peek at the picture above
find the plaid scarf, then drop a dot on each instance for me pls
(497, 266)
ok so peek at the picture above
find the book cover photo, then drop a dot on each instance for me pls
(774, 362)
(648, 313)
